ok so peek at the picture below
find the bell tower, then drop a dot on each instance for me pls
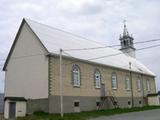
(127, 45)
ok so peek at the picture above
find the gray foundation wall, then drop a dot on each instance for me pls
(37, 105)
(1, 103)
(123, 101)
(86, 103)
(89, 103)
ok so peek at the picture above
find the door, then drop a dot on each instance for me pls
(12, 109)
(103, 93)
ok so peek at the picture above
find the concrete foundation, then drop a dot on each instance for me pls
(37, 105)
(85, 103)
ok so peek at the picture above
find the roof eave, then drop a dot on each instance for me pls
(15, 98)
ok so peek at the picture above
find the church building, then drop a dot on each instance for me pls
(54, 71)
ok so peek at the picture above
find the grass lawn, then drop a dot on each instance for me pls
(85, 115)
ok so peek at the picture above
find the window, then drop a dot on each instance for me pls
(76, 104)
(140, 103)
(148, 85)
(97, 79)
(124, 43)
(114, 81)
(139, 85)
(127, 83)
(98, 103)
(129, 102)
(76, 75)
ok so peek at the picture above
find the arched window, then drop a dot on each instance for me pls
(97, 78)
(76, 76)
(114, 80)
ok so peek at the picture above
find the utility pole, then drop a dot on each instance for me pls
(131, 84)
(61, 82)
(143, 94)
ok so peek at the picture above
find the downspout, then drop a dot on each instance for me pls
(132, 97)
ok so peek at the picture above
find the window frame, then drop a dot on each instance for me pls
(76, 103)
(97, 73)
(114, 75)
(139, 88)
(127, 83)
(148, 87)
(76, 76)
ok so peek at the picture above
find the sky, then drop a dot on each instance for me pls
(97, 20)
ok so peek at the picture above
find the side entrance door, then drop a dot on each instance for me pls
(12, 109)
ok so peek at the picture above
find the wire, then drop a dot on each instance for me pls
(27, 56)
(23, 56)
(92, 48)
(115, 53)
(68, 54)
(146, 41)
(90, 58)
(126, 52)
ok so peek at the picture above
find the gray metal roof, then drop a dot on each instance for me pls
(54, 39)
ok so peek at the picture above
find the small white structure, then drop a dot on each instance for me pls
(14, 107)
(153, 99)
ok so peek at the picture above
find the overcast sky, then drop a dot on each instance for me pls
(98, 20)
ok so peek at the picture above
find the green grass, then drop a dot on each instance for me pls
(85, 115)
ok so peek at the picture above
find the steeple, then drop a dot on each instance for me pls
(126, 40)
(125, 31)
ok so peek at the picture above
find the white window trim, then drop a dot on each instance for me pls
(97, 81)
(97, 84)
(148, 85)
(139, 85)
(127, 83)
(115, 78)
(129, 106)
(76, 101)
(77, 81)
